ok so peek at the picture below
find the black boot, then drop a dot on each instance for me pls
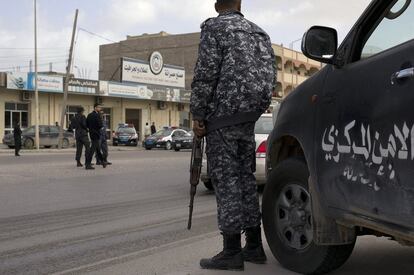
(79, 164)
(231, 258)
(89, 167)
(253, 251)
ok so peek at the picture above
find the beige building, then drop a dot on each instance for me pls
(140, 101)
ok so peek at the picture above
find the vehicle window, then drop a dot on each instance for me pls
(43, 129)
(163, 133)
(54, 130)
(126, 130)
(392, 31)
(264, 126)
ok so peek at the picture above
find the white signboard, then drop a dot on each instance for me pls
(17, 81)
(140, 72)
(133, 91)
(46, 83)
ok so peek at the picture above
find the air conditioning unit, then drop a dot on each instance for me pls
(99, 100)
(162, 105)
(27, 96)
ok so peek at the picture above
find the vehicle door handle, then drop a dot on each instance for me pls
(401, 75)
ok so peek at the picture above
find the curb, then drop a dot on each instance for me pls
(4, 151)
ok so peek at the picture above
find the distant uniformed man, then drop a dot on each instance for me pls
(78, 123)
(103, 142)
(17, 134)
(234, 79)
(95, 125)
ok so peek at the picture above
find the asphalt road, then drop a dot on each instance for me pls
(127, 219)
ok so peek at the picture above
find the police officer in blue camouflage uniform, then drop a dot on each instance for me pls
(234, 79)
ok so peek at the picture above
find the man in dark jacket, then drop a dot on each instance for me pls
(153, 129)
(17, 133)
(234, 79)
(103, 142)
(78, 124)
(95, 124)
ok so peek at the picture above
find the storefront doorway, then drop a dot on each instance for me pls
(15, 113)
(134, 116)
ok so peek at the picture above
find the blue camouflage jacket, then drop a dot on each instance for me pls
(235, 74)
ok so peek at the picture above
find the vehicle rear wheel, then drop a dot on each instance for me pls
(168, 146)
(148, 148)
(177, 150)
(11, 147)
(65, 143)
(287, 222)
(209, 185)
(28, 143)
(114, 144)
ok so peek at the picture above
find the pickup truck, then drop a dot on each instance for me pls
(340, 160)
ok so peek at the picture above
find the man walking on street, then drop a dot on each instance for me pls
(104, 142)
(153, 129)
(78, 124)
(233, 83)
(95, 124)
(147, 131)
(17, 134)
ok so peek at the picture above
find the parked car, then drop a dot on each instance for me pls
(163, 138)
(126, 134)
(49, 137)
(182, 140)
(263, 128)
(340, 158)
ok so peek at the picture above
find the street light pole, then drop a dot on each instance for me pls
(67, 79)
(37, 140)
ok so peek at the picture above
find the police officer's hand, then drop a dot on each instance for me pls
(199, 128)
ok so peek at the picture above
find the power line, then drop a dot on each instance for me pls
(45, 64)
(97, 35)
(55, 48)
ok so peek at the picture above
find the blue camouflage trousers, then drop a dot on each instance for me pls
(231, 160)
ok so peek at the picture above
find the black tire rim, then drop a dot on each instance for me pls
(28, 144)
(294, 217)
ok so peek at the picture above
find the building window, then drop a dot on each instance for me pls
(184, 120)
(15, 113)
(71, 112)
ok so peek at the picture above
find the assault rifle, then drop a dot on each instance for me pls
(195, 171)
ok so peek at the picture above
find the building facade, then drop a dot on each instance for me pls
(142, 79)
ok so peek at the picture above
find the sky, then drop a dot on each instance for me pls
(113, 20)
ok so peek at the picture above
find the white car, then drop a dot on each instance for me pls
(264, 127)
(163, 138)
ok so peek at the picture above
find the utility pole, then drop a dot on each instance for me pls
(67, 79)
(37, 139)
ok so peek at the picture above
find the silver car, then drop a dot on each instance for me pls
(264, 127)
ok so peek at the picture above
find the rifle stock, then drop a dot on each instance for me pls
(195, 173)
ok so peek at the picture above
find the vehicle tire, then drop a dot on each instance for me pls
(168, 145)
(48, 147)
(28, 143)
(114, 144)
(65, 143)
(148, 148)
(209, 185)
(176, 149)
(11, 147)
(287, 222)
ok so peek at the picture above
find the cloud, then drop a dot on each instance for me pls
(285, 21)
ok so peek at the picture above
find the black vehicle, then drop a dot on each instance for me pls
(339, 161)
(48, 135)
(182, 140)
(125, 135)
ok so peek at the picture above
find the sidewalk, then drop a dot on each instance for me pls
(6, 150)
